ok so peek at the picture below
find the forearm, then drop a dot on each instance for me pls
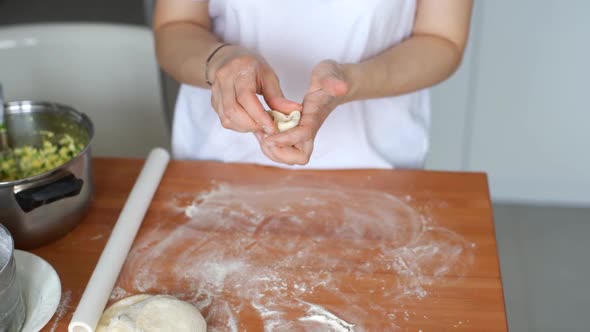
(182, 50)
(418, 62)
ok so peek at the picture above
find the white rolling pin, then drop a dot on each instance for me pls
(106, 272)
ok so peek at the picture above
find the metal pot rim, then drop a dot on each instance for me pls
(27, 106)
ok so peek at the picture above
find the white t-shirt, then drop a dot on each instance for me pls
(293, 36)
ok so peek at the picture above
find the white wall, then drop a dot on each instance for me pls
(518, 105)
(451, 109)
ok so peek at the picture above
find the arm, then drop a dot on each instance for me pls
(431, 54)
(182, 31)
(184, 41)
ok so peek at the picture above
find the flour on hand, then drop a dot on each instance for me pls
(151, 313)
(285, 122)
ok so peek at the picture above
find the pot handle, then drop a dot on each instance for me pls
(32, 198)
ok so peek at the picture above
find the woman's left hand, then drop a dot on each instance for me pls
(327, 89)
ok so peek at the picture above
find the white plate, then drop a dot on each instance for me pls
(41, 288)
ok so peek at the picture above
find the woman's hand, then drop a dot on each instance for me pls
(327, 90)
(237, 76)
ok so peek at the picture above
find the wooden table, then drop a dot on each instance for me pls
(381, 250)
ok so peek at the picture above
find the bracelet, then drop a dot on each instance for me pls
(209, 59)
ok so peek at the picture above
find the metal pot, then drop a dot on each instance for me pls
(44, 207)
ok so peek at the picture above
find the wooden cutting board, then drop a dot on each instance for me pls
(258, 248)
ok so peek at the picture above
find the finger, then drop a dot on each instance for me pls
(284, 155)
(245, 89)
(235, 117)
(305, 130)
(273, 95)
(306, 148)
(273, 152)
(268, 150)
(216, 100)
(259, 136)
(292, 136)
(315, 101)
(290, 155)
(293, 155)
(283, 105)
(240, 119)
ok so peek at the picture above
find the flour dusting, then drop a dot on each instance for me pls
(62, 308)
(118, 293)
(317, 313)
(234, 253)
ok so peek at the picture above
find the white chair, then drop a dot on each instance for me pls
(107, 71)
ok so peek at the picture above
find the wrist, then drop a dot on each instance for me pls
(352, 74)
(218, 57)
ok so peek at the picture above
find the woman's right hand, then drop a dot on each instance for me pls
(237, 76)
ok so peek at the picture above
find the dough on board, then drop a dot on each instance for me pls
(151, 313)
(285, 122)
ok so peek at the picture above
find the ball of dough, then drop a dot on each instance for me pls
(285, 122)
(152, 313)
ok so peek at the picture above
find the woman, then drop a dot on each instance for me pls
(357, 70)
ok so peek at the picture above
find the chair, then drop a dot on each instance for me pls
(107, 71)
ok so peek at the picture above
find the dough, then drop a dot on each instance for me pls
(285, 122)
(151, 313)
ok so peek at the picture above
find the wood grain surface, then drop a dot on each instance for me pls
(454, 286)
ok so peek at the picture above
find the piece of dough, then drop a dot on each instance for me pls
(285, 122)
(151, 313)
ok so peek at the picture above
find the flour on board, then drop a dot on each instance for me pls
(238, 251)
